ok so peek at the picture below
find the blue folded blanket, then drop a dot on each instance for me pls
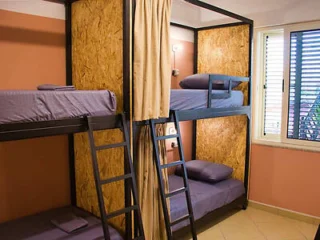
(52, 87)
(69, 222)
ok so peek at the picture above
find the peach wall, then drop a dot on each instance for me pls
(285, 178)
(34, 174)
(183, 62)
(184, 59)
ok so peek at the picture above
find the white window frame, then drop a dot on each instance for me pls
(258, 100)
(259, 92)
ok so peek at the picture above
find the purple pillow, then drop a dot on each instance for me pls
(201, 81)
(206, 171)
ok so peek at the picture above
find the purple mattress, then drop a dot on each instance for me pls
(39, 227)
(188, 99)
(205, 197)
(34, 106)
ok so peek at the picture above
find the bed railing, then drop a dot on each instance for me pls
(225, 78)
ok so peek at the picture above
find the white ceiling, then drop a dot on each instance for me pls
(34, 7)
(263, 12)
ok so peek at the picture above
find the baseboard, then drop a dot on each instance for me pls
(285, 212)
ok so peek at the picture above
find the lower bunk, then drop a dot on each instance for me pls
(205, 197)
(66, 223)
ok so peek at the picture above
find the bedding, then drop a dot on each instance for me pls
(205, 197)
(189, 99)
(205, 171)
(201, 81)
(34, 106)
(40, 227)
(53, 87)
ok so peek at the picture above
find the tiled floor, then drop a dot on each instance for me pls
(254, 224)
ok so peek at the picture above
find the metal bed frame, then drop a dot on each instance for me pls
(27, 130)
(206, 113)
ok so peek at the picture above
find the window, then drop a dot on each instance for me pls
(304, 91)
(273, 80)
(287, 104)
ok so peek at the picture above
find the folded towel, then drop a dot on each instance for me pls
(69, 222)
(52, 87)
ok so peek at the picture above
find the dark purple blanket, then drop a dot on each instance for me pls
(205, 197)
(39, 227)
(32, 106)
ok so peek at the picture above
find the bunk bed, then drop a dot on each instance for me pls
(29, 114)
(205, 198)
(33, 114)
(193, 200)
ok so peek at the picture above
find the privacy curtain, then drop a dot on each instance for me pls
(148, 187)
(152, 62)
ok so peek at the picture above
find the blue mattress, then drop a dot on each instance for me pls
(188, 99)
(205, 197)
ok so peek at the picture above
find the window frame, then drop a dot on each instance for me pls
(260, 107)
(258, 136)
(286, 75)
(263, 82)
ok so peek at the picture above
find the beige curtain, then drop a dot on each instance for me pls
(152, 62)
(148, 187)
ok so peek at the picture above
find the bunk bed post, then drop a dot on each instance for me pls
(135, 127)
(195, 71)
(68, 33)
(126, 108)
(248, 138)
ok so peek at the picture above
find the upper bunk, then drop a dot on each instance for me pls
(200, 21)
(30, 114)
(208, 96)
(208, 102)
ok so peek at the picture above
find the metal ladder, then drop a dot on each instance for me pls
(160, 167)
(129, 175)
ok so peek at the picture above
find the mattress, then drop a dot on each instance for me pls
(39, 227)
(205, 197)
(34, 106)
(188, 99)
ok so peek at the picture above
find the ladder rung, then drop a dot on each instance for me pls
(180, 220)
(115, 145)
(175, 192)
(139, 238)
(115, 179)
(176, 163)
(122, 211)
(167, 137)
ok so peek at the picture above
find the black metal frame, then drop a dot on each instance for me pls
(56, 127)
(19, 131)
(95, 124)
(185, 189)
(205, 113)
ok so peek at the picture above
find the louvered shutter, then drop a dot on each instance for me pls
(273, 76)
(304, 91)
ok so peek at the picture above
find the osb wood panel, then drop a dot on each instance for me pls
(97, 64)
(224, 50)
(223, 140)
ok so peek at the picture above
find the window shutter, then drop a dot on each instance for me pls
(304, 91)
(273, 73)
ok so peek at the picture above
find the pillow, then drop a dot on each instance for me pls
(206, 171)
(201, 81)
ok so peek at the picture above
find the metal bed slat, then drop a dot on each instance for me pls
(19, 131)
